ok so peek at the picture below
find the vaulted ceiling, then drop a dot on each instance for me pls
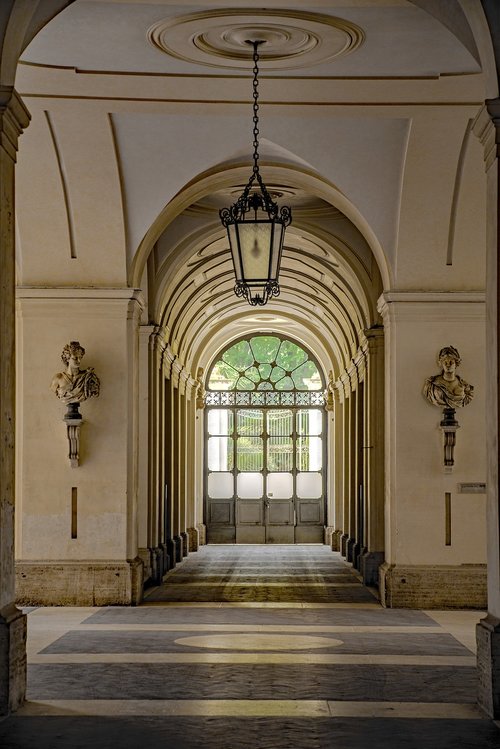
(141, 131)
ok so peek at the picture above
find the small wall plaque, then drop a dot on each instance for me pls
(473, 488)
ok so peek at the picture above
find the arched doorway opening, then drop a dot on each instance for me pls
(265, 457)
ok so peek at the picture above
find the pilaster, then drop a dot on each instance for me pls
(487, 128)
(338, 417)
(14, 117)
(373, 455)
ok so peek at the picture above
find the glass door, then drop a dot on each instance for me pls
(264, 480)
(265, 476)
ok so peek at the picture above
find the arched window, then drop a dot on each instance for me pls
(265, 370)
(264, 467)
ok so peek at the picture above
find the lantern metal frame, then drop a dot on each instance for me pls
(254, 198)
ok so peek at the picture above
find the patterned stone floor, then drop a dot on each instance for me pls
(269, 647)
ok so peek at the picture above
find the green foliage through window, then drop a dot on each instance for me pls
(265, 362)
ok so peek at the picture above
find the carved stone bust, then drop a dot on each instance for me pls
(447, 389)
(75, 385)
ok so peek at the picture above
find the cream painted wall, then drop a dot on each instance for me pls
(417, 327)
(100, 320)
(430, 177)
(71, 223)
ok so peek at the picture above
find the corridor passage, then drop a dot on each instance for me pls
(265, 647)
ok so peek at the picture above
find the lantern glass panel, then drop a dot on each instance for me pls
(255, 243)
(278, 237)
(233, 243)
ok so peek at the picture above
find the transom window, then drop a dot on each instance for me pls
(266, 370)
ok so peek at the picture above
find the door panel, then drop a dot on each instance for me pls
(310, 511)
(249, 512)
(220, 512)
(280, 534)
(220, 520)
(280, 512)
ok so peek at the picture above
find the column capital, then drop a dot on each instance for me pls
(184, 379)
(156, 341)
(486, 127)
(345, 384)
(167, 360)
(175, 372)
(372, 341)
(14, 118)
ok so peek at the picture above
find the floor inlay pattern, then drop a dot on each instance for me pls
(248, 646)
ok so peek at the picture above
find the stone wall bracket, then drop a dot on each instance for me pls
(73, 420)
(449, 426)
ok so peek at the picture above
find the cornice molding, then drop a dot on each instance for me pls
(72, 293)
(432, 305)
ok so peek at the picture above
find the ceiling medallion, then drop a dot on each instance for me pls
(293, 39)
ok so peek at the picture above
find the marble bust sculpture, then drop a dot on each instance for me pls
(75, 385)
(447, 389)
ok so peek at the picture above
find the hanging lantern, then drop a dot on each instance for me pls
(256, 225)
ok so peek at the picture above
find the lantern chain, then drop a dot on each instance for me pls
(256, 106)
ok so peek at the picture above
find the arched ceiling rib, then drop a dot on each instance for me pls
(326, 288)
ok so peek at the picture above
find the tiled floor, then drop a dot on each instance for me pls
(246, 646)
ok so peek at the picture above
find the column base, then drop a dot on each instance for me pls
(488, 665)
(344, 538)
(370, 562)
(327, 535)
(149, 563)
(202, 534)
(172, 553)
(350, 549)
(433, 587)
(185, 543)
(47, 583)
(336, 540)
(194, 541)
(178, 543)
(12, 658)
(357, 551)
(166, 561)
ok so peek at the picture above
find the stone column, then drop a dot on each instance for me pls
(352, 488)
(358, 493)
(158, 551)
(169, 461)
(14, 117)
(487, 129)
(176, 465)
(183, 462)
(191, 464)
(199, 437)
(346, 465)
(338, 419)
(145, 525)
(373, 557)
(329, 438)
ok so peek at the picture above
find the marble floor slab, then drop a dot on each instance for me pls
(248, 646)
